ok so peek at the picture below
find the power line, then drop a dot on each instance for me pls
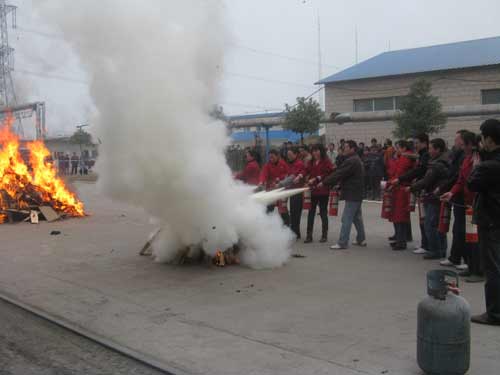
(52, 76)
(256, 78)
(290, 58)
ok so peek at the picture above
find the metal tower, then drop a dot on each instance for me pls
(7, 93)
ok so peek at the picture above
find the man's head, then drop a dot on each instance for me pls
(331, 147)
(303, 150)
(292, 154)
(274, 156)
(490, 134)
(437, 147)
(470, 141)
(388, 143)
(402, 146)
(350, 148)
(459, 141)
(421, 142)
(373, 142)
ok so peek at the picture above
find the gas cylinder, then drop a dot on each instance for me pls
(471, 235)
(306, 205)
(444, 218)
(386, 204)
(333, 209)
(443, 330)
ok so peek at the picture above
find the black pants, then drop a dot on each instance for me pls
(424, 244)
(74, 169)
(285, 217)
(473, 259)
(401, 230)
(322, 202)
(374, 186)
(296, 213)
(457, 251)
(489, 245)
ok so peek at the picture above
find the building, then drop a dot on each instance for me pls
(249, 130)
(361, 100)
(63, 146)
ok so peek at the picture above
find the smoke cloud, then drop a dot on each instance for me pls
(154, 67)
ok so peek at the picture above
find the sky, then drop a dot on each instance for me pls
(272, 52)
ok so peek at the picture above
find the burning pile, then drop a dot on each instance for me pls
(30, 182)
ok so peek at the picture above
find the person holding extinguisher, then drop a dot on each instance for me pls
(400, 196)
(317, 170)
(297, 172)
(474, 272)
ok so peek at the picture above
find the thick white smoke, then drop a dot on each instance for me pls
(154, 66)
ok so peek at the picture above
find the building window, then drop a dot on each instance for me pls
(389, 103)
(490, 96)
(363, 105)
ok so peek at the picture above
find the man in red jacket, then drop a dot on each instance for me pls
(273, 172)
(251, 173)
(473, 259)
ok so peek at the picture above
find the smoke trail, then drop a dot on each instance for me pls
(154, 67)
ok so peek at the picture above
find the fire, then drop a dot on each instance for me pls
(24, 183)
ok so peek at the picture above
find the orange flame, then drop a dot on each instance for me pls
(35, 179)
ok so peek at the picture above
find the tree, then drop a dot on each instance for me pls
(421, 112)
(303, 117)
(81, 137)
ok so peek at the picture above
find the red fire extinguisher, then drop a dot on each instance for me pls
(386, 204)
(471, 235)
(413, 202)
(444, 218)
(282, 206)
(333, 209)
(306, 205)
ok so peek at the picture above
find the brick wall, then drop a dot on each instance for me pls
(461, 87)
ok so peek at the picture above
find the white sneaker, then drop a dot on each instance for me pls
(417, 247)
(447, 263)
(419, 251)
(337, 247)
(462, 267)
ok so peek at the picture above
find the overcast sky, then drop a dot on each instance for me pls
(272, 57)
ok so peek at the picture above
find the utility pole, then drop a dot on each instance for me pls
(7, 92)
(320, 67)
(356, 42)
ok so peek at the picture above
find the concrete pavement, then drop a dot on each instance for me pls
(346, 312)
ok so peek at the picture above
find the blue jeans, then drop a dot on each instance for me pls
(436, 242)
(352, 215)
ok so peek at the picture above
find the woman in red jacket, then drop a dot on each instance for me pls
(400, 196)
(250, 174)
(318, 168)
(297, 170)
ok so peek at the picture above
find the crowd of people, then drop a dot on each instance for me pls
(410, 175)
(72, 165)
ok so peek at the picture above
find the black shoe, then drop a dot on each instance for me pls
(323, 240)
(392, 238)
(399, 247)
(484, 319)
(431, 256)
(308, 240)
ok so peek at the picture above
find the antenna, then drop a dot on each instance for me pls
(356, 42)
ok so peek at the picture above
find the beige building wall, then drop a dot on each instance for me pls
(453, 88)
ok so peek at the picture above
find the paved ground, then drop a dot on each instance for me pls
(33, 346)
(349, 312)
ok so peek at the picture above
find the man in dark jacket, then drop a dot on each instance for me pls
(422, 146)
(485, 180)
(350, 175)
(436, 176)
(374, 162)
(457, 251)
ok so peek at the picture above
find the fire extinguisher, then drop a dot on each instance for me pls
(421, 212)
(306, 205)
(413, 202)
(386, 204)
(444, 218)
(282, 206)
(333, 209)
(471, 235)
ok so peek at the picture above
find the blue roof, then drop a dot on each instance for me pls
(257, 115)
(460, 55)
(247, 136)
